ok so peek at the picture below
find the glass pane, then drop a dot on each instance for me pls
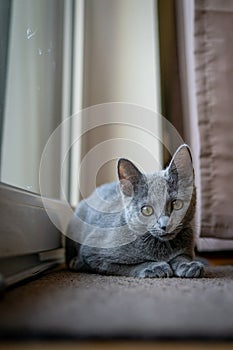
(32, 86)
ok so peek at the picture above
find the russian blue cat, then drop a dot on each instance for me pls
(140, 226)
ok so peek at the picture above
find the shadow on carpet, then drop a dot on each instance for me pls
(64, 304)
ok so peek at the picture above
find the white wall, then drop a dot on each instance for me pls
(121, 53)
(121, 63)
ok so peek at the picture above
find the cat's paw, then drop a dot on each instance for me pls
(192, 269)
(156, 269)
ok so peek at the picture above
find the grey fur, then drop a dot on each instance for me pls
(109, 235)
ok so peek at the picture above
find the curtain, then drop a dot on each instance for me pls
(214, 87)
(205, 33)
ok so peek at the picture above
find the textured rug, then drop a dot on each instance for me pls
(64, 304)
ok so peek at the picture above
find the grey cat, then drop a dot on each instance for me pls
(140, 226)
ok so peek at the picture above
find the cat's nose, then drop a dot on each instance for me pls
(163, 221)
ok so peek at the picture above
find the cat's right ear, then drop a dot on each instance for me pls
(181, 166)
(128, 175)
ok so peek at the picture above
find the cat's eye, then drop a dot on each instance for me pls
(177, 204)
(147, 210)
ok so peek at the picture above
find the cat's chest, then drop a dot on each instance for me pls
(157, 250)
(151, 250)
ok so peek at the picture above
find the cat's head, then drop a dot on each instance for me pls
(161, 203)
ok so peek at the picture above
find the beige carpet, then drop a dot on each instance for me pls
(65, 304)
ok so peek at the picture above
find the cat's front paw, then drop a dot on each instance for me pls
(192, 269)
(155, 269)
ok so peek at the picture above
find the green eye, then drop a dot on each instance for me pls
(147, 210)
(177, 204)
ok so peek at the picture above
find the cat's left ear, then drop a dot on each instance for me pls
(129, 176)
(181, 165)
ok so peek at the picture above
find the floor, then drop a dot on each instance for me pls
(66, 305)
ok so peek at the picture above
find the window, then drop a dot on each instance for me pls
(35, 82)
(61, 56)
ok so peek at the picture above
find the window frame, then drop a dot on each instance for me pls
(29, 242)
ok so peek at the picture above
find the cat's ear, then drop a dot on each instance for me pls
(181, 165)
(128, 175)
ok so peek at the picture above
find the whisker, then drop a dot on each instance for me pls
(147, 238)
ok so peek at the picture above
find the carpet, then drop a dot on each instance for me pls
(64, 304)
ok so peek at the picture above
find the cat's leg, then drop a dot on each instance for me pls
(143, 270)
(107, 261)
(110, 262)
(89, 259)
(184, 266)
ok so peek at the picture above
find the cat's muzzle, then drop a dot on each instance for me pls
(162, 234)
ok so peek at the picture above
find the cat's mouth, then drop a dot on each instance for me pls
(163, 236)
(167, 236)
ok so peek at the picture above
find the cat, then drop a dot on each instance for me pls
(140, 226)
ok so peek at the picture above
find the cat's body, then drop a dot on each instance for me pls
(130, 228)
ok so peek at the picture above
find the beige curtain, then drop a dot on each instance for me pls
(205, 36)
(214, 92)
